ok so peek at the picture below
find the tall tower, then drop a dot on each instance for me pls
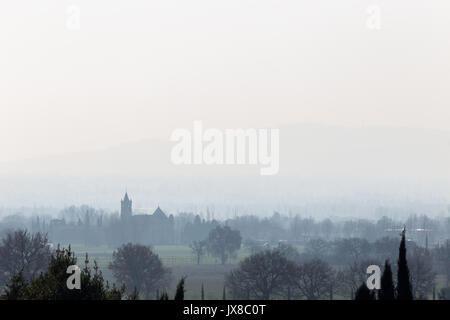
(125, 207)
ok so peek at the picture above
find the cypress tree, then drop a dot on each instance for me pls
(179, 295)
(203, 293)
(224, 294)
(363, 293)
(52, 285)
(164, 296)
(387, 290)
(134, 295)
(404, 288)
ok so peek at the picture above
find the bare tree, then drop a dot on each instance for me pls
(442, 257)
(198, 249)
(313, 280)
(421, 270)
(352, 250)
(260, 276)
(22, 251)
(317, 248)
(137, 267)
(289, 252)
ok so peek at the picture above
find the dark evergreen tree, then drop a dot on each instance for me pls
(203, 293)
(387, 290)
(363, 293)
(164, 296)
(16, 289)
(224, 293)
(133, 295)
(52, 285)
(404, 288)
(179, 295)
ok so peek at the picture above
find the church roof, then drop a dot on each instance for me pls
(159, 213)
(126, 197)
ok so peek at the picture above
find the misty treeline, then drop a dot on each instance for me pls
(31, 269)
(335, 253)
(90, 226)
(336, 269)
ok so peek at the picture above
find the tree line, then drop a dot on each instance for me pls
(91, 226)
(31, 269)
(281, 273)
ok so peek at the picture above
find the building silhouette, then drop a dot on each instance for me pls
(126, 210)
(156, 228)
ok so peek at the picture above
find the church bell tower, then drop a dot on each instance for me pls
(125, 207)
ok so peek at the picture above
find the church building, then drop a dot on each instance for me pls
(148, 229)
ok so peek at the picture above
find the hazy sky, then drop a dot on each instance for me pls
(139, 69)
